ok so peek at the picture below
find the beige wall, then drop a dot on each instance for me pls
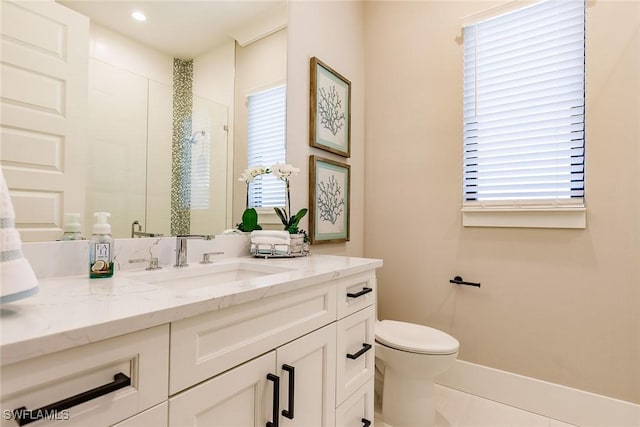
(333, 32)
(558, 305)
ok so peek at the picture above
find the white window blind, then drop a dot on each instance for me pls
(266, 144)
(524, 106)
(200, 169)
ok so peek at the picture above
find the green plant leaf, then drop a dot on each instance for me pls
(282, 215)
(292, 225)
(301, 213)
(249, 221)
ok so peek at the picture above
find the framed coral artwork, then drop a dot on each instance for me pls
(329, 110)
(329, 192)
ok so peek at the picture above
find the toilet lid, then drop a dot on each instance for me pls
(415, 338)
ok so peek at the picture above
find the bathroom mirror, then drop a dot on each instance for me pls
(130, 116)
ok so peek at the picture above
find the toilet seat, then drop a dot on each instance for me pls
(414, 338)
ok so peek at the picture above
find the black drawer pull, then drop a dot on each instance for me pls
(365, 347)
(292, 381)
(276, 400)
(366, 422)
(364, 291)
(24, 416)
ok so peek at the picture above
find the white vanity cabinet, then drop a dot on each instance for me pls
(292, 385)
(289, 360)
(296, 353)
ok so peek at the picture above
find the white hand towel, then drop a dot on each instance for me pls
(277, 236)
(17, 277)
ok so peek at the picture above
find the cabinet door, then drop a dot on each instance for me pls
(355, 357)
(310, 361)
(241, 397)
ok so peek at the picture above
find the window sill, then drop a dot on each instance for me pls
(526, 217)
(267, 216)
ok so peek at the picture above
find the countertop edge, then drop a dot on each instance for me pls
(29, 348)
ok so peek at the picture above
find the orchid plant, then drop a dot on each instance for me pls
(250, 215)
(290, 222)
(283, 172)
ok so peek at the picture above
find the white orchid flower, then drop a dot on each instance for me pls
(258, 170)
(248, 175)
(284, 171)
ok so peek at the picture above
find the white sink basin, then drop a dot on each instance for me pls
(204, 275)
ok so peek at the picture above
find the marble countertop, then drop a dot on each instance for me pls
(75, 310)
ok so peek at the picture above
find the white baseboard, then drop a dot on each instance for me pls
(551, 400)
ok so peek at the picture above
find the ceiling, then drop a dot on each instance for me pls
(182, 29)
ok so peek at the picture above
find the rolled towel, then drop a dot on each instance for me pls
(279, 236)
(17, 277)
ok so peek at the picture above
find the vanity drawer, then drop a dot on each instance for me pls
(158, 416)
(206, 345)
(358, 409)
(355, 355)
(134, 365)
(355, 293)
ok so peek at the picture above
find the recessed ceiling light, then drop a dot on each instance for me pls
(138, 16)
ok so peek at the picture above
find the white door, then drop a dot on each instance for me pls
(241, 397)
(311, 360)
(43, 113)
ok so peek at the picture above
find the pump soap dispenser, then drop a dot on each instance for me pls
(101, 248)
(72, 227)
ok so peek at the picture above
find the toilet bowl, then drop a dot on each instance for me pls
(408, 357)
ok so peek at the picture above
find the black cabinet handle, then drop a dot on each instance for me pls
(365, 347)
(292, 381)
(364, 291)
(366, 422)
(23, 416)
(276, 400)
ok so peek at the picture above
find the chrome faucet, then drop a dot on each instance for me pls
(133, 228)
(181, 247)
(139, 232)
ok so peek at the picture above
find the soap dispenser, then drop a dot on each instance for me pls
(101, 248)
(72, 227)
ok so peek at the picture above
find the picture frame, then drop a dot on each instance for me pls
(329, 109)
(329, 200)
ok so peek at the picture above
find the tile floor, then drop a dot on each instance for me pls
(457, 409)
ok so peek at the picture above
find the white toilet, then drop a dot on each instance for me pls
(408, 357)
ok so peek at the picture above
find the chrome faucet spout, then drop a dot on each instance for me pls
(181, 247)
(133, 228)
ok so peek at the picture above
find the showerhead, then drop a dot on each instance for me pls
(193, 139)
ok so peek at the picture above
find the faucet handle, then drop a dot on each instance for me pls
(206, 257)
(153, 263)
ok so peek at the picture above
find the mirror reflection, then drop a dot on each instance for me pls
(152, 154)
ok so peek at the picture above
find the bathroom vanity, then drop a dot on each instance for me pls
(241, 341)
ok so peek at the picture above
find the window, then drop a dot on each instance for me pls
(200, 143)
(266, 144)
(524, 109)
